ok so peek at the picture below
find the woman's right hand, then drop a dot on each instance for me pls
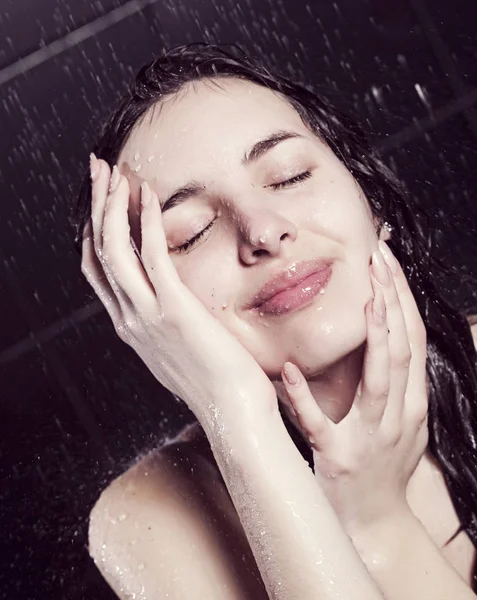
(183, 345)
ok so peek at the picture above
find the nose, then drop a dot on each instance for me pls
(262, 233)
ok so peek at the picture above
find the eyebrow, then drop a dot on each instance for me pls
(193, 188)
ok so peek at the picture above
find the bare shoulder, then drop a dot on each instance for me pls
(472, 319)
(167, 528)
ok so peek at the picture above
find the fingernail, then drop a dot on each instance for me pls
(389, 257)
(291, 373)
(145, 194)
(114, 179)
(94, 166)
(379, 308)
(380, 269)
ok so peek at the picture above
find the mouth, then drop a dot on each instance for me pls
(293, 289)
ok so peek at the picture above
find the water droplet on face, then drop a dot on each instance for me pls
(141, 567)
(150, 158)
(122, 517)
(261, 313)
(137, 169)
(136, 156)
(224, 305)
(322, 291)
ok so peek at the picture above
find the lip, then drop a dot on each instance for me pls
(293, 287)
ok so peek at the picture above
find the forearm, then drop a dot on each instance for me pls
(299, 545)
(406, 563)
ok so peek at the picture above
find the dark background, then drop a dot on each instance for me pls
(77, 405)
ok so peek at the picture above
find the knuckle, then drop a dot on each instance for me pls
(377, 388)
(421, 414)
(402, 356)
(391, 436)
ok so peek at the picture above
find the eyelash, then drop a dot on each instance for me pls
(276, 186)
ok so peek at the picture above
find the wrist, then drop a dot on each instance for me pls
(237, 421)
(380, 541)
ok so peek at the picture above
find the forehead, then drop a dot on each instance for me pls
(207, 124)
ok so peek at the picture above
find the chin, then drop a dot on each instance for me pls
(314, 349)
(327, 343)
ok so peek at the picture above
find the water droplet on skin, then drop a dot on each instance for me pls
(113, 521)
(137, 169)
(261, 314)
(370, 432)
(224, 305)
(322, 291)
(141, 567)
(122, 517)
(150, 158)
(136, 156)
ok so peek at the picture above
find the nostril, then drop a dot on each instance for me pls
(259, 252)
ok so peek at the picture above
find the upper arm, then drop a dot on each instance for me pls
(473, 328)
(164, 530)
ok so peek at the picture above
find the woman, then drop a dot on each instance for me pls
(238, 185)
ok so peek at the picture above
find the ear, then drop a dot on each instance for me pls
(384, 231)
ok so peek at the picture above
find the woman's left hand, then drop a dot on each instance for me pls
(365, 461)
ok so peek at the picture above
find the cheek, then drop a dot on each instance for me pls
(211, 281)
(338, 210)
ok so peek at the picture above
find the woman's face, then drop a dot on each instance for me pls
(256, 231)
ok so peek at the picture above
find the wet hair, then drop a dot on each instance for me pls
(451, 357)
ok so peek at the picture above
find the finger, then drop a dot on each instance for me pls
(99, 194)
(101, 185)
(93, 271)
(154, 250)
(375, 381)
(118, 253)
(414, 325)
(314, 423)
(399, 350)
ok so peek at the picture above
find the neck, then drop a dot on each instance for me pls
(333, 389)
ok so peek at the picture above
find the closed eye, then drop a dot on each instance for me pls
(292, 181)
(276, 186)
